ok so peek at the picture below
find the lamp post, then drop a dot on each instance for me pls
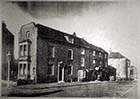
(9, 59)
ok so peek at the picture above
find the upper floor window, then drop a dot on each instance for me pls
(100, 53)
(51, 51)
(69, 39)
(82, 61)
(94, 53)
(51, 69)
(82, 51)
(24, 49)
(21, 50)
(27, 34)
(70, 54)
(93, 61)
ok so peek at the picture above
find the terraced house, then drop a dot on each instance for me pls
(47, 55)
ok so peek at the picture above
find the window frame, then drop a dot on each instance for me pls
(52, 69)
(71, 72)
(94, 53)
(82, 61)
(51, 51)
(71, 57)
(24, 51)
(83, 51)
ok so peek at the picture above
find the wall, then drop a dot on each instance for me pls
(120, 65)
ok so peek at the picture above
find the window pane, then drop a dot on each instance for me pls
(82, 61)
(83, 51)
(24, 69)
(20, 68)
(50, 69)
(21, 50)
(51, 51)
(70, 54)
(69, 70)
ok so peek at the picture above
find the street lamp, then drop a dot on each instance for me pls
(9, 59)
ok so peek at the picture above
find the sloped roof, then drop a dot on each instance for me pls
(6, 33)
(116, 55)
(46, 32)
(49, 33)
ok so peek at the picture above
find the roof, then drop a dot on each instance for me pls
(116, 55)
(6, 33)
(46, 32)
(49, 33)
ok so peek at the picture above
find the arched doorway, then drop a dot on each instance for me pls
(61, 73)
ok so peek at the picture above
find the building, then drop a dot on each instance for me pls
(132, 73)
(7, 47)
(111, 71)
(121, 63)
(47, 55)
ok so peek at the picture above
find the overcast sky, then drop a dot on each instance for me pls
(111, 25)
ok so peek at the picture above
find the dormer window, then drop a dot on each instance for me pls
(69, 39)
(82, 51)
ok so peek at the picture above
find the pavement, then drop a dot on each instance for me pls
(40, 89)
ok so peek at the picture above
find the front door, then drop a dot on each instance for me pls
(60, 73)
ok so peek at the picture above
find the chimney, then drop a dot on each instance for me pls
(3, 24)
(74, 34)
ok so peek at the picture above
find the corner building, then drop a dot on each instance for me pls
(47, 55)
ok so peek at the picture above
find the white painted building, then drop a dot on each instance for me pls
(121, 63)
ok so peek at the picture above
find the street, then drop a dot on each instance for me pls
(111, 89)
(122, 89)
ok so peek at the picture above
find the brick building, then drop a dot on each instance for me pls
(121, 63)
(7, 47)
(47, 55)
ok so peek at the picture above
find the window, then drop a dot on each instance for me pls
(21, 50)
(93, 61)
(20, 69)
(81, 74)
(51, 51)
(82, 51)
(70, 70)
(100, 53)
(69, 39)
(27, 35)
(70, 54)
(51, 69)
(24, 69)
(24, 49)
(93, 53)
(82, 61)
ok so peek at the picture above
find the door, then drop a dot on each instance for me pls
(60, 72)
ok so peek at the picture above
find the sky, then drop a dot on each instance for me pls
(111, 25)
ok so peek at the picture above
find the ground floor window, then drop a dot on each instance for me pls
(70, 70)
(81, 74)
(23, 69)
(51, 69)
